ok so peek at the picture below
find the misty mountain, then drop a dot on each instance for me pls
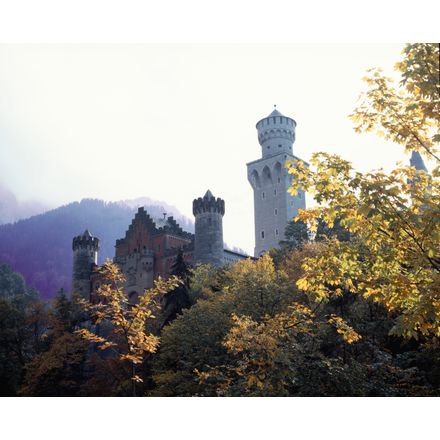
(40, 247)
(12, 210)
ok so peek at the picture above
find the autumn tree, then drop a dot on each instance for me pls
(120, 327)
(393, 255)
(58, 366)
(247, 335)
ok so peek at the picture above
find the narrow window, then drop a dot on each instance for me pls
(276, 211)
(262, 195)
(276, 231)
(209, 221)
(274, 192)
(262, 234)
(279, 180)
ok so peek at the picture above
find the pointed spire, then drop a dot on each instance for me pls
(208, 195)
(87, 234)
(275, 113)
(417, 162)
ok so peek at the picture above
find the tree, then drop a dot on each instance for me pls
(194, 339)
(178, 298)
(121, 327)
(248, 336)
(296, 234)
(393, 254)
(59, 371)
(22, 323)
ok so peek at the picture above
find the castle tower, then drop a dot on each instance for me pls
(417, 162)
(273, 206)
(208, 212)
(85, 255)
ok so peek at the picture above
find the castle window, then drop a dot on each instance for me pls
(209, 221)
(279, 145)
(274, 120)
(262, 234)
(279, 180)
(274, 192)
(276, 231)
(268, 147)
(276, 211)
(262, 195)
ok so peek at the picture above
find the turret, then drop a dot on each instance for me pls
(417, 162)
(276, 134)
(85, 255)
(274, 207)
(208, 245)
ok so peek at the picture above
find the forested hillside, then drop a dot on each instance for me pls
(40, 248)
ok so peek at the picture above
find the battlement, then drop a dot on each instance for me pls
(208, 204)
(172, 227)
(276, 134)
(85, 241)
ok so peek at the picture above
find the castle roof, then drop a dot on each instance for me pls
(275, 113)
(208, 195)
(417, 161)
(87, 233)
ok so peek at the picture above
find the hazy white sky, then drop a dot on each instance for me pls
(170, 121)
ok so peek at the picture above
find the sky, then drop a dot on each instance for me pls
(169, 121)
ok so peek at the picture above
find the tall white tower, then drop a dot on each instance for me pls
(274, 207)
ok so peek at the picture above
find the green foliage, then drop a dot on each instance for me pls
(296, 234)
(178, 298)
(59, 371)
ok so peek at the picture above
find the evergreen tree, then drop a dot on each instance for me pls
(296, 234)
(177, 299)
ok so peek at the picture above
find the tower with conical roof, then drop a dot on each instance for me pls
(85, 255)
(208, 241)
(273, 206)
(416, 161)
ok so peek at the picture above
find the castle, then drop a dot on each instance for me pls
(150, 246)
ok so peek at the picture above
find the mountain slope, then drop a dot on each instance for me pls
(12, 210)
(40, 247)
